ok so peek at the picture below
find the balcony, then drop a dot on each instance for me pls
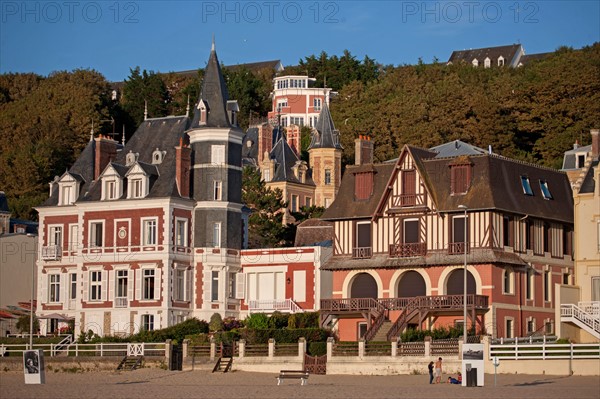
(120, 302)
(408, 250)
(408, 200)
(362, 253)
(52, 252)
(274, 305)
(458, 248)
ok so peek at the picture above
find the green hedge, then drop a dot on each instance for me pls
(283, 336)
(317, 348)
(39, 341)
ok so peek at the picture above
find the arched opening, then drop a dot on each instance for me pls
(454, 285)
(363, 286)
(411, 284)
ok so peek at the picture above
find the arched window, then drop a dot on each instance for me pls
(363, 286)
(454, 285)
(411, 284)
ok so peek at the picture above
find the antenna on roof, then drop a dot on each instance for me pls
(187, 109)
(212, 48)
(145, 109)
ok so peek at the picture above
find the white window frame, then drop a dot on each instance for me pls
(149, 237)
(294, 202)
(217, 154)
(55, 231)
(500, 61)
(487, 62)
(317, 104)
(214, 286)
(73, 286)
(509, 332)
(181, 240)
(232, 285)
(121, 275)
(54, 288)
(327, 177)
(217, 190)
(147, 322)
(179, 284)
(92, 238)
(475, 62)
(508, 282)
(217, 235)
(148, 284)
(95, 286)
(73, 236)
(528, 322)
(267, 175)
(136, 187)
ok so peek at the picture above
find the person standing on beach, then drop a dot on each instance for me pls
(430, 367)
(438, 371)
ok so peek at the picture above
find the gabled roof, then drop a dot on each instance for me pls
(325, 135)
(456, 148)
(72, 175)
(148, 169)
(121, 170)
(313, 232)
(214, 93)
(285, 159)
(493, 53)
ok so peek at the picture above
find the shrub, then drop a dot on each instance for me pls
(317, 348)
(216, 323)
(304, 320)
(257, 321)
(231, 323)
(278, 320)
(283, 336)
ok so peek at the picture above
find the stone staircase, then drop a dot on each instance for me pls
(381, 335)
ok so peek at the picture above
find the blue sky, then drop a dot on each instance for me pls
(112, 36)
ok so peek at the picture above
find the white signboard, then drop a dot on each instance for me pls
(33, 366)
(472, 365)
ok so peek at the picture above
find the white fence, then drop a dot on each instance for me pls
(99, 349)
(544, 351)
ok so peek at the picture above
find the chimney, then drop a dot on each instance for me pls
(293, 138)
(576, 145)
(183, 163)
(265, 140)
(106, 151)
(363, 150)
(595, 143)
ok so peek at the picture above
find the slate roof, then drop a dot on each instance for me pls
(313, 232)
(509, 53)
(285, 159)
(325, 136)
(456, 148)
(588, 185)
(570, 157)
(250, 147)
(525, 59)
(214, 93)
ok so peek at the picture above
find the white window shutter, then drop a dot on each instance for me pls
(86, 286)
(189, 278)
(130, 284)
(44, 293)
(240, 286)
(138, 284)
(206, 285)
(104, 285)
(157, 283)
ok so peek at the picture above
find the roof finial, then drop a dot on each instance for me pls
(145, 109)
(92, 131)
(187, 109)
(212, 48)
(123, 135)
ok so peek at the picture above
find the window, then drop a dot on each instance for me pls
(217, 154)
(526, 186)
(55, 236)
(411, 231)
(363, 241)
(73, 286)
(327, 176)
(547, 237)
(296, 120)
(267, 175)
(180, 284)
(529, 284)
(149, 232)
(530, 326)
(73, 233)
(362, 330)
(96, 285)
(317, 104)
(136, 188)
(487, 63)
(148, 284)
(363, 185)
(308, 202)
(506, 231)
(217, 190)
(214, 292)
(509, 328)
(565, 279)
(501, 61)
(507, 286)
(460, 243)
(232, 280)
(528, 230)
(148, 322)
(460, 179)
(294, 203)
(549, 326)
(66, 196)
(96, 236)
(217, 235)
(54, 288)
(545, 191)
(580, 161)
(547, 285)
(595, 288)
(475, 63)
(181, 233)
(111, 190)
(121, 288)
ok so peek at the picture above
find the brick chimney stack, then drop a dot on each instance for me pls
(363, 150)
(595, 142)
(183, 164)
(106, 151)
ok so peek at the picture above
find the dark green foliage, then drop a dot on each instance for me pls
(413, 335)
(317, 348)
(257, 321)
(231, 323)
(283, 336)
(216, 323)
(23, 324)
(278, 320)
(304, 320)
(251, 92)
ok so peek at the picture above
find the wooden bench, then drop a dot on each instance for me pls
(293, 374)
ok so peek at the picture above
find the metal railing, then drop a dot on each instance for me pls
(408, 250)
(76, 349)
(272, 305)
(543, 351)
(588, 319)
(52, 252)
(362, 252)
(457, 248)
(120, 302)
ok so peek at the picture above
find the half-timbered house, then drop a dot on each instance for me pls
(404, 230)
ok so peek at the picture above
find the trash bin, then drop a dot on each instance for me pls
(472, 377)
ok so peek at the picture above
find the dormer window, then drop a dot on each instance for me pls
(136, 188)
(487, 62)
(112, 183)
(158, 156)
(460, 179)
(138, 182)
(203, 107)
(526, 186)
(363, 185)
(266, 175)
(545, 190)
(131, 158)
(232, 109)
(500, 61)
(68, 189)
(475, 63)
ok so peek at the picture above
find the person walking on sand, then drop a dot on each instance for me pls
(438, 371)
(430, 367)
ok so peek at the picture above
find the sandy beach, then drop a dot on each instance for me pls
(156, 383)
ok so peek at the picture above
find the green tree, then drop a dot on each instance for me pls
(23, 324)
(216, 323)
(251, 92)
(265, 225)
(143, 89)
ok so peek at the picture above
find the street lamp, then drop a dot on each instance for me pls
(464, 208)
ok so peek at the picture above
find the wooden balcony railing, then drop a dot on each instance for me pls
(362, 252)
(457, 248)
(408, 200)
(433, 302)
(351, 304)
(408, 250)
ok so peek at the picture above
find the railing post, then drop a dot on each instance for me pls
(101, 349)
(427, 346)
(51, 350)
(213, 348)
(184, 348)
(460, 347)
(168, 353)
(242, 348)
(330, 342)
(271, 347)
(301, 347)
(361, 348)
(76, 349)
(394, 348)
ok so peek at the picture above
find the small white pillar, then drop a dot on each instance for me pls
(242, 348)
(271, 347)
